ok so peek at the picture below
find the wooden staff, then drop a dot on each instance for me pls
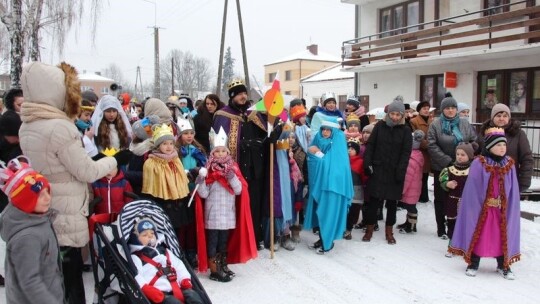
(271, 200)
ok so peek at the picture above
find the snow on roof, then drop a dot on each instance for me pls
(94, 77)
(331, 73)
(307, 55)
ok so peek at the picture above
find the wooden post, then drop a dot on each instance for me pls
(271, 200)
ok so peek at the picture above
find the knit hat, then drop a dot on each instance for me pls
(10, 123)
(144, 224)
(414, 104)
(421, 105)
(236, 87)
(161, 133)
(498, 108)
(468, 148)
(328, 96)
(354, 143)
(90, 96)
(397, 105)
(22, 184)
(448, 102)
(353, 101)
(297, 110)
(461, 106)
(368, 128)
(353, 119)
(142, 129)
(493, 136)
(418, 136)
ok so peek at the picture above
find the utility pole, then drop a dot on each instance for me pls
(172, 76)
(138, 85)
(242, 42)
(221, 48)
(157, 88)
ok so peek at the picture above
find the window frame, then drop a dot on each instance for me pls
(485, 5)
(403, 6)
(437, 85)
(288, 75)
(272, 76)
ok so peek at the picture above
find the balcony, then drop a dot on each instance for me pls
(460, 38)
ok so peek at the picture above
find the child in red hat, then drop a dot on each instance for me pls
(32, 263)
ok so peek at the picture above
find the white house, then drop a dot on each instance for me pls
(332, 79)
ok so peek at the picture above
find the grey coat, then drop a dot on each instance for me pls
(441, 147)
(33, 269)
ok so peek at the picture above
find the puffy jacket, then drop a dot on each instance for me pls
(412, 188)
(112, 193)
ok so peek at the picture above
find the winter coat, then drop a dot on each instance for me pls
(418, 123)
(112, 193)
(441, 147)
(387, 153)
(412, 188)
(33, 269)
(134, 172)
(518, 148)
(52, 142)
(220, 207)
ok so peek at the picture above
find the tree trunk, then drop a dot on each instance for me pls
(13, 22)
(34, 35)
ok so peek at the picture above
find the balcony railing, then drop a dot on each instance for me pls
(445, 36)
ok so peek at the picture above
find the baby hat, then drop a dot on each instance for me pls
(493, 136)
(22, 184)
(467, 148)
(418, 136)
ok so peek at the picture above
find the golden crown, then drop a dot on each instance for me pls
(109, 151)
(235, 82)
(353, 117)
(282, 144)
(160, 131)
(354, 140)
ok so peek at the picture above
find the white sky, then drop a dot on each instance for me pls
(272, 30)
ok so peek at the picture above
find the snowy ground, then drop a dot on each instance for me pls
(413, 270)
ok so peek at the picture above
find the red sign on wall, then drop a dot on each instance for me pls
(450, 79)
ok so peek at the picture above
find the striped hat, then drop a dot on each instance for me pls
(493, 136)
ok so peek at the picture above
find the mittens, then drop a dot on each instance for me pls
(123, 157)
(230, 174)
(186, 284)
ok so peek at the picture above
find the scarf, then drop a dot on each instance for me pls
(296, 174)
(349, 135)
(36, 111)
(83, 125)
(217, 169)
(450, 126)
(167, 157)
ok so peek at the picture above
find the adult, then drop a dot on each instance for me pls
(422, 122)
(353, 106)
(205, 118)
(517, 145)
(13, 99)
(247, 133)
(53, 144)
(10, 123)
(444, 134)
(386, 159)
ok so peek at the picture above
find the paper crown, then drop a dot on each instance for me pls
(234, 83)
(109, 151)
(162, 130)
(220, 139)
(282, 144)
(353, 118)
(184, 124)
(327, 96)
(87, 108)
(353, 140)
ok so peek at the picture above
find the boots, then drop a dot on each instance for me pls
(224, 265)
(216, 272)
(369, 233)
(390, 235)
(473, 266)
(295, 233)
(287, 243)
(410, 225)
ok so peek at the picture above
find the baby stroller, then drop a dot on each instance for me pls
(114, 270)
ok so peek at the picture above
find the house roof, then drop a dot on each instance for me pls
(94, 77)
(331, 73)
(307, 55)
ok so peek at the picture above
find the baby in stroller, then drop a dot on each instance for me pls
(162, 276)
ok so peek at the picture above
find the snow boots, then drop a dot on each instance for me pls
(472, 269)
(216, 270)
(505, 272)
(224, 265)
(287, 243)
(295, 233)
(369, 233)
(410, 225)
(390, 235)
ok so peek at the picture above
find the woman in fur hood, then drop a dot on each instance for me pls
(517, 145)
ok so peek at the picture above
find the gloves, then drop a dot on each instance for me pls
(123, 157)
(153, 294)
(203, 172)
(230, 174)
(186, 284)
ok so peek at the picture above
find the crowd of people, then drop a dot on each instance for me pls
(209, 166)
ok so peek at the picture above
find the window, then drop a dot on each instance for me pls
(491, 87)
(401, 15)
(86, 88)
(536, 92)
(432, 89)
(342, 102)
(287, 75)
(271, 77)
(495, 9)
(104, 90)
(287, 92)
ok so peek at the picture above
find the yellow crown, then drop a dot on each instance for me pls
(160, 131)
(109, 152)
(287, 127)
(282, 144)
(354, 140)
(353, 117)
(235, 82)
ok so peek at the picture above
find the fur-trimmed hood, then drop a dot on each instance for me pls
(511, 130)
(56, 86)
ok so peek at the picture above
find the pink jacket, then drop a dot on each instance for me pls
(413, 178)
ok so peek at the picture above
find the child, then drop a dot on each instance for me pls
(353, 127)
(488, 219)
(112, 123)
(328, 111)
(111, 188)
(413, 184)
(453, 180)
(84, 125)
(366, 132)
(32, 263)
(161, 275)
(298, 168)
(330, 186)
(193, 158)
(358, 179)
(301, 129)
(220, 188)
(164, 178)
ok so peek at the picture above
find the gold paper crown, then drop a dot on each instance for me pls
(87, 108)
(220, 139)
(109, 152)
(235, 82)
(354, 140)
(282, 144)
(352, 117)
(160, 131)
